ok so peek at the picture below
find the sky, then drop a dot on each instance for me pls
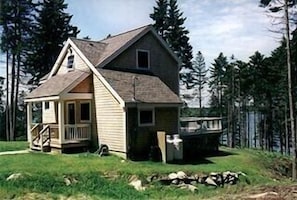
(234, 27)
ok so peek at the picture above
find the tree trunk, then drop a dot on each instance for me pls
(11, 114)
(7, 109)
(291, 102)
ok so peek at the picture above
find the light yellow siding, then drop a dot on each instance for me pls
(78, 63)
(110, 118)
(48, 115)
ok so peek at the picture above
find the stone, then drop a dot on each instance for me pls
(210, 181)
(137, 185)
(15, 176)
(181, 175)
(172, 176)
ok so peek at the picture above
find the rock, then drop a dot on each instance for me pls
(175, 181)
(68, 180)
(192, 188)
(152, 178)
(181, 175)
(137, 185)
(172, 176)
(15, 176)
(210, 181)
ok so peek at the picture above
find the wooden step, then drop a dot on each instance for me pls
(36, 148)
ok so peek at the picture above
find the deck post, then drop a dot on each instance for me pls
(61, 122)
(29, 122)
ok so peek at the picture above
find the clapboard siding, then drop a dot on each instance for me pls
(48, 115)
(78, 64)
(109, 117)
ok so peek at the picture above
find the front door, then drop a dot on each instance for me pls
(71, 113)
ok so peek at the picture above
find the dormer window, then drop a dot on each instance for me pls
(143, 59)
(70, 61)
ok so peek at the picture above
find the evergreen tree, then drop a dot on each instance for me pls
(53, 28)
(15, 19)
(198, 78)
(217, 85)
(173, 32)
(160, 17)
(276, 6)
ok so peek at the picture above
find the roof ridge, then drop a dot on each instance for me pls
(85, 40)
(135, 29)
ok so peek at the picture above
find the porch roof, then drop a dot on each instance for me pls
(148, 89)
(57, 85)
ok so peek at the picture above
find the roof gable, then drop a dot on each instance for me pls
(102, 52)
(58, 85)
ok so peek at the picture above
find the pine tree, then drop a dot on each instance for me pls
(53, 28)
(15, 20)
(217, 85)
(277, 6)
(198, 77)
(160, 17)
(174, 32)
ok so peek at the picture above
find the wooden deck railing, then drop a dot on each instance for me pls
(77, 131)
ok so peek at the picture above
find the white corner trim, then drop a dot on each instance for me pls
(60, 58)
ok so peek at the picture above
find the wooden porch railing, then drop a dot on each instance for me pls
(77, 132)
(40, 138)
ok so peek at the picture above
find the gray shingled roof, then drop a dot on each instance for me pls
(55, 85)
(98, 52)
(148, 89)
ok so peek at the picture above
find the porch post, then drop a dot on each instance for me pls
(61, 121)
(29, 122)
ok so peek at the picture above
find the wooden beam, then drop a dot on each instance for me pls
(29, 122)
(61, 120)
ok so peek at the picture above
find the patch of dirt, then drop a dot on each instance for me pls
(281, 192)
(38, 196)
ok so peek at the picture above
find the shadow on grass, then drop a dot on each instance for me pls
(202, 158)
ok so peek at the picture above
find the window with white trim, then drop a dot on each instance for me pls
(143, 59)
(146, 117)
(70, 62)
(85, 111)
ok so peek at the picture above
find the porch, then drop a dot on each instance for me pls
(47, 136)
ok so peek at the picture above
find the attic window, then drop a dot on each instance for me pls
(70, 61)
(142, 59)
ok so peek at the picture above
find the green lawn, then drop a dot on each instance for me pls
(13, 146)
(108, 177)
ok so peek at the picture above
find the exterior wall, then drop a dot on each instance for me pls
(110, 118)
(86, 86)
(161, 62)
(78, 63)
(49, 115)
(142, 138)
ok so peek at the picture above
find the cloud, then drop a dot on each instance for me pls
(232, 27)
(238, 27)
